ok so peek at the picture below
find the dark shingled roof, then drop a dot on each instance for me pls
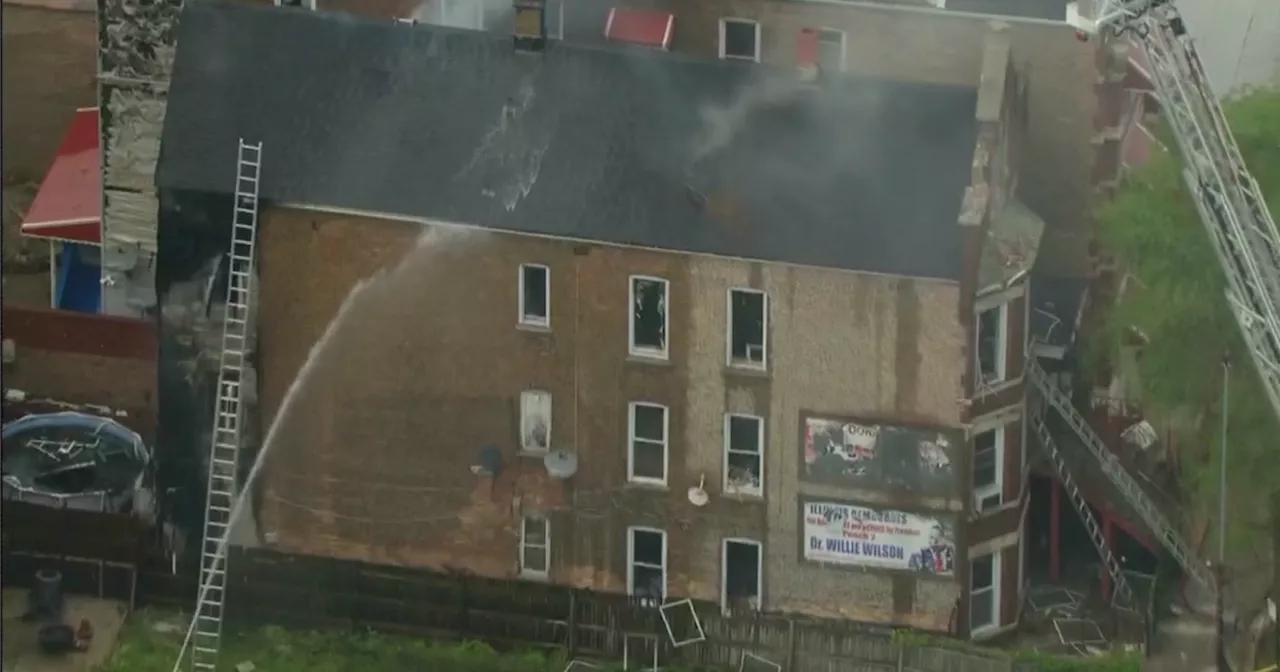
(619, 146)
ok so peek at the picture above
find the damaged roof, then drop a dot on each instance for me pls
(609, 144)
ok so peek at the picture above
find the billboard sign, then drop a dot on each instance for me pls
(878, 457)
(858, 536)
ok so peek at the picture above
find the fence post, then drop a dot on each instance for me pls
(573, 623)
(791, 644)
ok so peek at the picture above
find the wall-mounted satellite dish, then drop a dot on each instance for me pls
(488, 462)
(698, 494)
(561, 463)
(119, 257)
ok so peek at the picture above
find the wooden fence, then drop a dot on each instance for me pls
(270, 588)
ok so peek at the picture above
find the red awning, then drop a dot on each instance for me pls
(651, 29)
(68, 206)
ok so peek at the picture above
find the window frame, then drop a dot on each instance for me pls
(763, 365)
(1002, 345)
(996, 489)
(631, 558)
(844, 48)
(305, 4)
(522, 316)
(529, 394)
(645, 351)
(724, 21)
(724, 570)
(992, 592)
(632, 439)
(546, 547)
(728, 449)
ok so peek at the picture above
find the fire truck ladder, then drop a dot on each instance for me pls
(1133, 493)
(1121, 595)
(228, 415)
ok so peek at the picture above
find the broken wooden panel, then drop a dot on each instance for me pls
(133, 124)
(132, 218)
(137, 38)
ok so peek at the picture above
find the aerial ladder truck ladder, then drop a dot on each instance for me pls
(1230, 206)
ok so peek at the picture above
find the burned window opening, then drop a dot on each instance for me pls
(535, 295)
(744, 454)
(648, 564)
(649, 316)
(741, 575)
(991, 345)
(748, 317)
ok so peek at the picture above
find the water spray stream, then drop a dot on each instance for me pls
(286, 406)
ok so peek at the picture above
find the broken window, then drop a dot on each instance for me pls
(647, 563)
(741, 575)
(535, 421)
(740, 38)
(991, 345)
(649, 317)
(535, 546)
(535, 295)
(988, 476)
(647, 457)
(984, 591)
(748, 320)
(831, 50)
(744, 454)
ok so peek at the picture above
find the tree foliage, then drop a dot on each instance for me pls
(1178, 303)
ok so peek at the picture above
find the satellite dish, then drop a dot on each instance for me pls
(120, 257)
(698, 494)
(488, 462)
(561, 464)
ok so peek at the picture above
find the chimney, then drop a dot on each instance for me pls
(531, 25)
(807, 54)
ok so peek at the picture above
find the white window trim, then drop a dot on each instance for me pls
(644, 350)
(724, 570)
(533, 320)
(306, 4)
(739, 490)
(631, 442)
(1002, 346)
(981, 493)
(733, 19)
(993, 591)
(763, 364)
(524, 448)
(631, 558)
(546, 548)
(844, 41)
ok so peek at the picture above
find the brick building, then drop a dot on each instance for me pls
(776, 320)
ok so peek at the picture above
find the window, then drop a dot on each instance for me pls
(988, 470)
(740, 38)
(748, 322)
(647, 456)
(743, 454)
(992, 332)
(535, 421)
(648, 321)
(535, 546)
(535, 295)
(740, 575)
(647, 563)
(305, 4)
(984, 591)
(831, 50)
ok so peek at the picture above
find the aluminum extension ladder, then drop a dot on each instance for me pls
(1121, 595)
(228, 414)
(1164, 530)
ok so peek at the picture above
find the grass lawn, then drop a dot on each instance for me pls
(150, 642)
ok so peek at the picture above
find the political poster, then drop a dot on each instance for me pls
(846, 534)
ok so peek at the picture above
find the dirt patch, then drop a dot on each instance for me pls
(21, 653)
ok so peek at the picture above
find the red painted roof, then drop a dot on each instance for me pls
(69, 203)
(651, 29)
